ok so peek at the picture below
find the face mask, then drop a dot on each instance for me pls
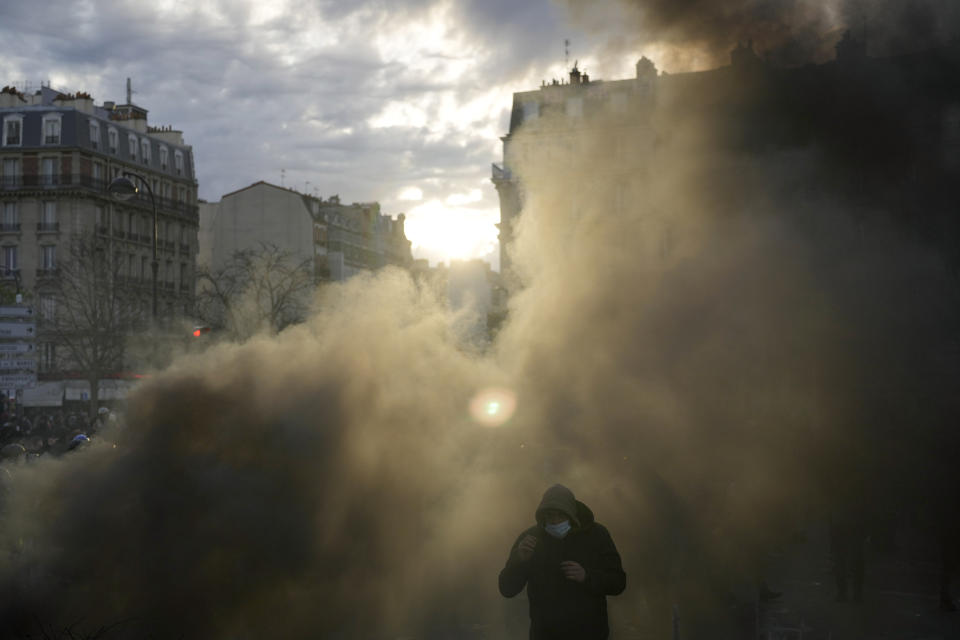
(558, 530)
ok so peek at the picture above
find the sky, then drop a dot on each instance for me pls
(397, 102)
(401, 103)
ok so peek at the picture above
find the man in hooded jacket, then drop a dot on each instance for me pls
(569, 564)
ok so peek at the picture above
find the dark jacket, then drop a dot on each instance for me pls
(561, 608)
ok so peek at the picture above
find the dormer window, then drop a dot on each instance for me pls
(114, 139)
(94, 134)
(51, 128)
(132, 145)
(13, 131)
(145, 151)
(164, 157)
(178, 162)
(531, 110)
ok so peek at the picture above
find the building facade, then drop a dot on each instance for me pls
(886, 129)
(339, 240)
(58, 154)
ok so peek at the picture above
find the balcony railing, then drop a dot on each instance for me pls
(9, 227)
(500, 173)
(184, 249)
(76, 180)
(48, 272)
(48, 227)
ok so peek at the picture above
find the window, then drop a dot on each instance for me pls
(143, 268)
(131, 227)
(48, 214)
(11, 171)
(145, 151)
(178, 162)
(183, 274)
(48, 171)
(166, 190)
(48, 257)
(181, 194)
(48, 356)
(9, 257)
(113, 139)
(132, 145)
(97, 170)
(114, 173)
(48, 307)
(51, 128)
(11, 217)
(94, 134)
(163, 157)
(13, 131)
(531, 110)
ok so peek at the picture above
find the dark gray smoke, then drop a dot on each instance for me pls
(787, 32)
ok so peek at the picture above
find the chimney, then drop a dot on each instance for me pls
(574, 74)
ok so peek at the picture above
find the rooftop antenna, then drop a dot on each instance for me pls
(306, 187)
(129, 92)
(566, 53)
(283, 176)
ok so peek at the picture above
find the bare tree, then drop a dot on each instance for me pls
(95, 309)
(260, 289)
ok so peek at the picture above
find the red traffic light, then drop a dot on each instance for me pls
(199, 331)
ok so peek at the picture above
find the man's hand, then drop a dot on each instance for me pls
(525, 548)
(573, 571)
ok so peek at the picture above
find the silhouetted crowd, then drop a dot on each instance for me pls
(48, 432)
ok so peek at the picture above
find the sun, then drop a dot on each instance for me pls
(443, 232)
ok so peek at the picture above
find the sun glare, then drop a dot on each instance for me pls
(448, 232)
(493, 406)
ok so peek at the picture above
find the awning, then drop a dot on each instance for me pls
(44, 394)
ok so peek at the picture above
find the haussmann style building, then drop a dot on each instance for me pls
(59, 151)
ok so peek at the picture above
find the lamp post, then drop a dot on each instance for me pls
(122, 188)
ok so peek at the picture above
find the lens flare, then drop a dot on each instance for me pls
(493, 406)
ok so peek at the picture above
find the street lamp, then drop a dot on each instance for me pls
(122, 188)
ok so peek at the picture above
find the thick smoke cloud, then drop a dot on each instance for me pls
(787, 32)
(719, 341)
